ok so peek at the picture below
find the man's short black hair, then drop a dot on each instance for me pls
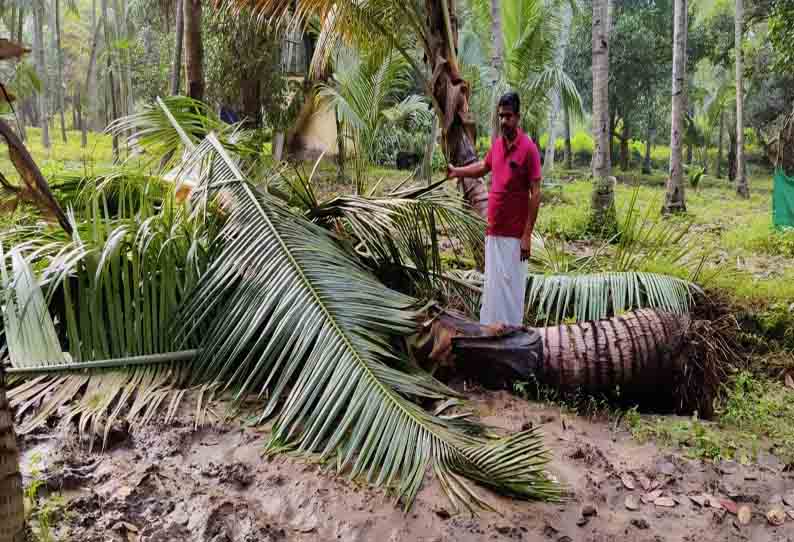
(511, 100)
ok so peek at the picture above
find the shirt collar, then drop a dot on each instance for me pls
(511, 146)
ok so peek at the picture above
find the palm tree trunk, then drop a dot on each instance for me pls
(741, 175)
(603, 201)
(642, 353)
(12, 508)
(430, 148)
(568, 152)
(59, 93)
(450, 94)
(41, 70)
(559, 60)
(194, 50)
(624, 146)
(719, 145)
(646, 164)
(176, 62)
(675, 200)
(340, 149)
(496, 36)
(20, 24)
(91, 82)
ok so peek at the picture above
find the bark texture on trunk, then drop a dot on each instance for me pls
(41, 71)
(719, 145)
(675, 200)
(732, 156)
(651, 133)
(59, 93)
(556, 101)
(642, 352)
(194, 49)
(496, 35)
(12, 508)
(742, 188)
(624, 146)
(91, 82)
(603, 200)
(568, 152)
(176, 61)
(450, 94)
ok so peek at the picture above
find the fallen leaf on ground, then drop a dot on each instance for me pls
(628, 481)
(790, 513)
(700, 500)
(632, 503)
(644, 482)
(666, 502)
(744, 514)
(788, 499)
(789, 381)
(776, 516)
(652, 496)
(729, 505)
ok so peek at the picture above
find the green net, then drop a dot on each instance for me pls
(783, 200)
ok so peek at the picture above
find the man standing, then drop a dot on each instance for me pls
(513, 202)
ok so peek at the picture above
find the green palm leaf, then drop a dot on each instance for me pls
(599, 295)
(308, 327)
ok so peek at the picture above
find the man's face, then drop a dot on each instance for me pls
(508, 121)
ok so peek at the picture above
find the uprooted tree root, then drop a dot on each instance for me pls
(658, 360)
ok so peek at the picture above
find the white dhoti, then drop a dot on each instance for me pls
(505, 282)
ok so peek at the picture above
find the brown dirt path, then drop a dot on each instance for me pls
(212, 485)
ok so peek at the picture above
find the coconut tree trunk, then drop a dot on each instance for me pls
(12, 508)
(450, 94)
(430, 148)
(646, 164)
(603, 201)
(642, 353)
(59, 93)
(496, 36)
(559, 60)
(41, 71)
(568, 153)
(340, 148)
(741, 176)
(194, 50)
(176, 62)
(732, 156)
(719, 145)
(91, 84)
(675, 200)
(624, 146)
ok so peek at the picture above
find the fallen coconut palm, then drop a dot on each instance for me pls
(298, 306)
(646, 354)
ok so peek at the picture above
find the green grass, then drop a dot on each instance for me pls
(755, 415)
(749, 260)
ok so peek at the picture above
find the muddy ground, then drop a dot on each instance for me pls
(213, 485)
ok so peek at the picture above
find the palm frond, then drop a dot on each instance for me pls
(306, 326)
(585, 297)
(407, 232)
(115, 286)
(171, 126)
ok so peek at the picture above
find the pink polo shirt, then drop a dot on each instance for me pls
(513, 168)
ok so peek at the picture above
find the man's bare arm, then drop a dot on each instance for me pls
(534, 205)
(474, 170)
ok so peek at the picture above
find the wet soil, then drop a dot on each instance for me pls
(174, 483)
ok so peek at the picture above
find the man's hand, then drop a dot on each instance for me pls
(526, 249)
(452, 172)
